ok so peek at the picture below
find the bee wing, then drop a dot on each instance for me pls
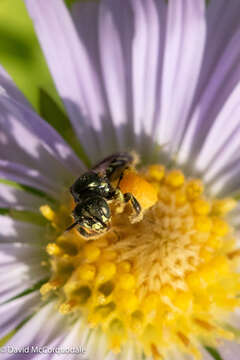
(110, 164)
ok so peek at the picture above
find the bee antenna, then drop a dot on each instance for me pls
(71, 226)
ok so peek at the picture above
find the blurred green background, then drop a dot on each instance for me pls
(21, 56)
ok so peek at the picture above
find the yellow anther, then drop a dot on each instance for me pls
(217, 267)
(201, 207)
(102, 242)
(223, 206)
(205, 254)
(106, 270)
(137, 322)
(203, 224)
(91, 252)
(45, 288)
(67, 307)
(155, 353)
(115, 343)
(150, 302)
(180, 197)
(175, 178)
(204, 324)
(167, 292)
(86, 272)
(194, 189)
(221, 264)
(49, 286)
(109, 255)
(194, 281)
(214, 241)
(54, 249)
(156, 172)
(234, 254)
(47, 212)
(126, 281)
(124, 266)
(144, 191)
(183, 300)
(129, 302)
(116, 327)
(220, 227)
(100, 299)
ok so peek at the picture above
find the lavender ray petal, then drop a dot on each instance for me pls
(222, 23)
(77, 337)
(221, 86)
(84, 13)
(227, 182)
(26, 138)
(211, 158)
(155, 17)
(183, 54)
(30, 177)
(115, 35)
(8, 86)
(21, 265)
(12, 230)
(14, 312)
(15, 198)
(148, 39)
(45, 328)
(74, 76)
(229, 350)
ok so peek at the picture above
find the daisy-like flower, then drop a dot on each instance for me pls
(161, 79)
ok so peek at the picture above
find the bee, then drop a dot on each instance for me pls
(93, 191)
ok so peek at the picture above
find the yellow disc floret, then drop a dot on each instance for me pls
(159, 281)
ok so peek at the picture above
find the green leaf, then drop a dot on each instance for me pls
(214, 353)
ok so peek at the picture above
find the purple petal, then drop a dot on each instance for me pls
(78, 336)
(219, 156)
(8, 86)
(20, 231)
(46, 328)
(114, 21)
(83, 14)
(14, 198)
(222, 23)
(30, 177)
(220, 84)
(21, 266)
(27, 139)
(229, 350)
(14, 312)
(21, 282)
(75, 77)
(183, 53)
(148, 40)
(21, 254)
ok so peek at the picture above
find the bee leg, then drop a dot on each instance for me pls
(120, 178)
(134, 202)
(84, 233)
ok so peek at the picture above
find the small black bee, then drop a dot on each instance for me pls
(92, 191)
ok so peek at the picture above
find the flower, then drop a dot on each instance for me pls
(162, 79)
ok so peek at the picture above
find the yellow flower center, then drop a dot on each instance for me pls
(166, 279)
